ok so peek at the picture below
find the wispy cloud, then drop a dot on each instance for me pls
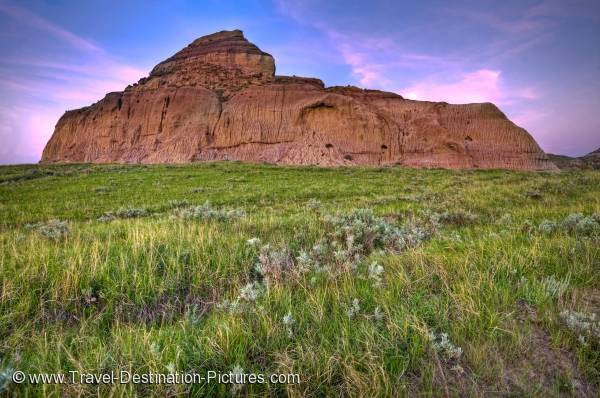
(464, 75)
(581, 9)
(382, 62)
(427, 50)
(39, 90)
(377, 62)
(24, 16)
(523, 23)
(478, 69)
(70, 83)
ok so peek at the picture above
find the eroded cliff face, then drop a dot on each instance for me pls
(219, 99)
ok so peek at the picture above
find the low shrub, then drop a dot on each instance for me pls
(443, 346)
(587, 326)
(534, 194)
(175, 204)
(575, 223)
(131, 212)
(288, 322)
(313, 204)
(208, 212)
(459, 218)
(547, 227)
(101, 189)
(53, 229)
(6, 374)
(274, 264)
(353, 308)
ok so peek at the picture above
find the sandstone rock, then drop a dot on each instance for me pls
(589, 161)
(219, 99)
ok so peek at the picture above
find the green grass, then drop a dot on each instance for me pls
(145, 294)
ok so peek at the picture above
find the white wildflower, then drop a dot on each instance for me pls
(554, 287)
(6, 375)
(237, 379)
(155, 349)
(354, 308)
(288, 322)
(249, 292)
(378, 314)
(376, 273)
(442, 344)
(171, 367)
(253, 242)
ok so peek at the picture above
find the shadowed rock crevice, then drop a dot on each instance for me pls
(219, 99)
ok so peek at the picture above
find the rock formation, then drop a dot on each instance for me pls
(219, 99)
(589, 161)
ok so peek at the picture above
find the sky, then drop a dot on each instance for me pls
(539, 61)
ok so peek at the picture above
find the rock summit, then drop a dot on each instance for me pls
(219, 99)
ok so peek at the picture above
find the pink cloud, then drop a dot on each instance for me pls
(29, 125)
(528, 117)
(368, 73)
(37, 121)
(479, 86)
(52, 93)
(482, 85)
(48, 86)
(528, 93)
(375, 61)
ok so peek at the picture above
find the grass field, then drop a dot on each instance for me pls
(459, 283)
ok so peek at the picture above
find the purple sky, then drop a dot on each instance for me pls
(539, 61)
